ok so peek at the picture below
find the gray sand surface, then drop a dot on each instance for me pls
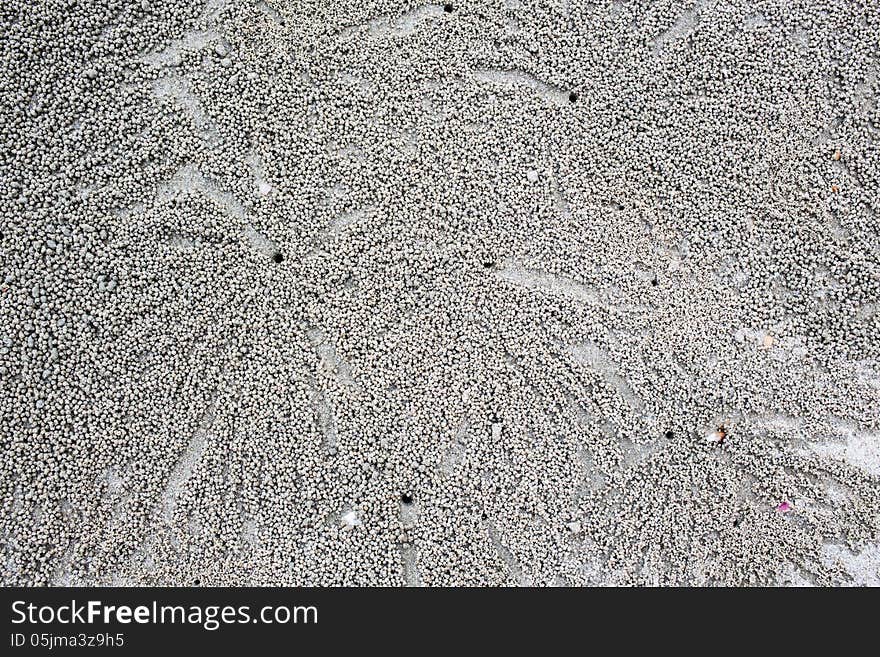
(380, 292)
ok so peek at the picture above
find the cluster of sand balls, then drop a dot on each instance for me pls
(380, 292)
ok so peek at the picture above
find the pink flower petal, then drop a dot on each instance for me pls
(784, 507)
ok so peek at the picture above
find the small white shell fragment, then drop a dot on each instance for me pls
(351, 520)
(496, 430)
(713, 437)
